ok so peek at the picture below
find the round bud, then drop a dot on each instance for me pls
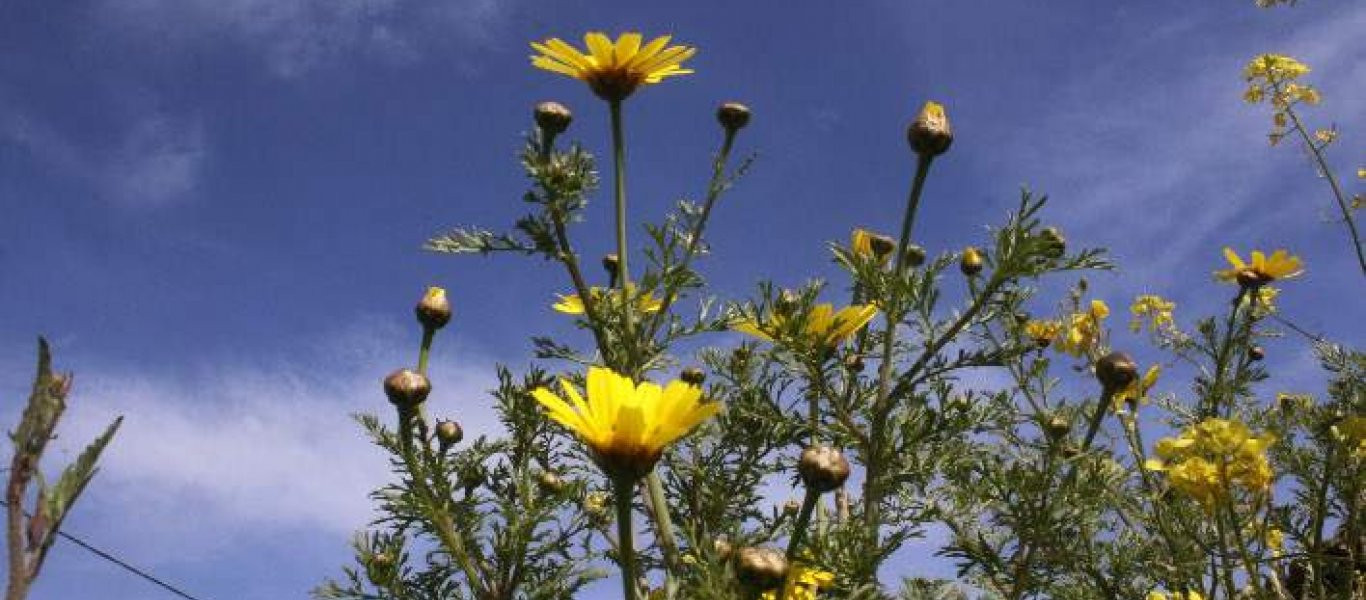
(553, 118)
(433, 310)
(881, 245)
(787, 302)
(791, 508)
(854, 362)
(612, 265)
(550, 483)
(733, 116)
(1057, 244)
(382, 560)
(1021, 318)
(407, 388)
(762, 568)
(930, 133)
(1070, 450)
(1116, 371)
(915, 255)
(1256, 353)
(1057, 427)
(822, 468)
(693, 376)
(971, 263)
(723, 548)
(449, 433)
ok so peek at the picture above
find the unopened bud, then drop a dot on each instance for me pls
(693, 376)
(930, 133)
(550, 483)
(854, 362)
(407, 388)
(433, 310)
(1056, 243)
(822, 468)
(1256, 353)
(971, 263)
(612, 265)
(1057, 427)
(733, 116)
(553, 118)
(449, 433)
(915, 255)
(881, 245)
(762, 568)
(791, 508)
(787, 302)
(1116, 371)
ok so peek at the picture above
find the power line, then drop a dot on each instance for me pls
(114, 559)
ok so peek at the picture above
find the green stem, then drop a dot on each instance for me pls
(623, 488)
(1222, 355)
(872, 487)
(663, 522)
(619, 194)
(803, 522)
(1319, 516)
(1322, 164)
(1254, 579)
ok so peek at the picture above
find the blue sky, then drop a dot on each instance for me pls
(214, 208)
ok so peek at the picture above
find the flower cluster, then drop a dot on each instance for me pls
(1081, 331)
(1273, 77)
(1152, 311)
(803, 583)
(1212, 456)
(1191, 595)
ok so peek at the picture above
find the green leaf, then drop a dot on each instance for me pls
(58, 499)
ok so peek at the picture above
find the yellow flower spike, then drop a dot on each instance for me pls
(627, 425)
(613, 70)
(1261, 269)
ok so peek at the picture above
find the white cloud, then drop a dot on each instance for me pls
(157, 161)
(249, 446)
(295, 36)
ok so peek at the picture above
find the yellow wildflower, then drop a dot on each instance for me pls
(803, 583)
(1081, 331)
(1137, 392)
(613, 70)
(1275, 540)
(1156, 595)
(627, 425)
(572, 304)
(1156, 310)
(1042, 332)
(1212, 456)
(871, 245)
(1326, 136)
(822, 325)
(1280, 265)
(1274, 68)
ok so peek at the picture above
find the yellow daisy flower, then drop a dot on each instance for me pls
(627, 425)
(823, 324)
(572, 304)
(1263, 269)
(613, 70)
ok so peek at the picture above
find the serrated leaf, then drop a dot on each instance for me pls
(59, 498)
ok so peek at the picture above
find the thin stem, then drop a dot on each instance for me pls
(803, 522)
(1222, 356)
(1225, 567)
(872, 487)
(1254, 579)
(623, 488)
(1327, 173)
(663, 523)
(1319, 516)
(619, 193)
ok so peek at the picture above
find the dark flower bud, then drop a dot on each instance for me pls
(791, 508)
(915, 255)
(733, 116)
(553, 118)
(1057, 427)
(550, 483)
(449, 433)
(1256, 353)
(762, 568)
(881, 245)
(433, 310)
(612, 265)
(854, 362)
(930, 133)
(971, 263)
(407, 388)
(1116, 371)
(822, 468)
(787, 302)
(693, 376)
(1056, 243)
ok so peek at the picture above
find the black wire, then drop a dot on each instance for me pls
(114, 559)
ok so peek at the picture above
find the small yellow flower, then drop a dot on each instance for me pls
(1280, 265)
(1154, 309)
(803, 583)
(823, 325)
(572, 304)
(613, 70)
(1042, 332)
(1274, 68)
(1326, 136)
(627, 425)
(1210, 457)
(1275, 540)
(1081, 332)
(1137, 392)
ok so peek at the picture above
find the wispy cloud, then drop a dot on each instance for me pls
(249, 445)
(295, 36)
(157, 161)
